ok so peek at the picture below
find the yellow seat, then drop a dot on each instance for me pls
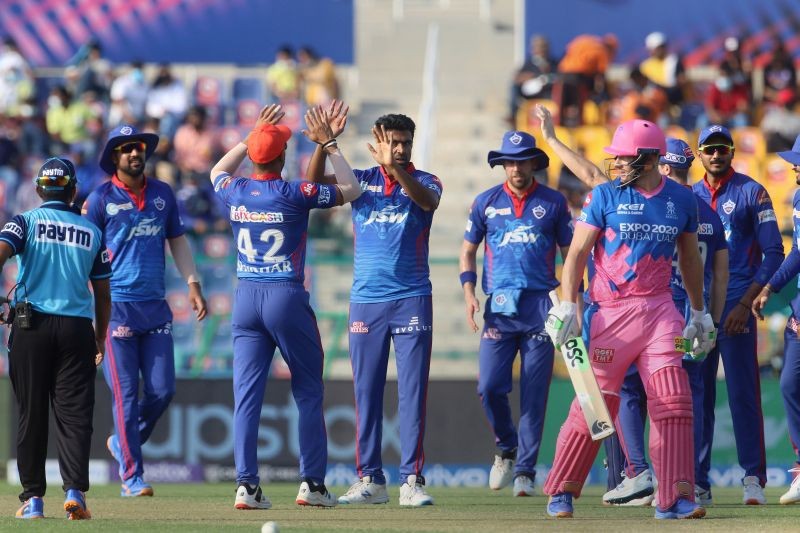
(527, 121)
(592, 140)
(748, 164)
(749, 140)
(779, 182)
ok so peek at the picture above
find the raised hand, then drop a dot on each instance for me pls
(545, 121)
(337, 117)
(270, 114)
(319, 129)
(382, 151)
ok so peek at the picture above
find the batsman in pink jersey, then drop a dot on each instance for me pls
(632, 224)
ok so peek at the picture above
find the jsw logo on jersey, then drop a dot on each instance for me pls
(145, 228)
(62, 233)
(388, 214)
(519, 234)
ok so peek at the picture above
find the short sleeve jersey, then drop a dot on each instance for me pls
(521, 236)
(57, 252)
(136, 229)
(269, 217)
(637, 233)
(391, 238)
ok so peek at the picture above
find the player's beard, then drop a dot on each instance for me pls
(133, 168)
(718, 173)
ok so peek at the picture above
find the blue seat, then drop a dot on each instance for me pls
(248, 89)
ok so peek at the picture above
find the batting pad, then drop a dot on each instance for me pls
(669, 402)
(575, 451)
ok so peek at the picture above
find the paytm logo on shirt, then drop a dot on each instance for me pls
(388, 214)
(63, 233)
(145, 228)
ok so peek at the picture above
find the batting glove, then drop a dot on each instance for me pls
(562, 323)
(700, 333)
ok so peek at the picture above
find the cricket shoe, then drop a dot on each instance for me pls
(753, 492)
(75, 505)
(681, 509)
(112, 444)
(703, 496)
(33, 507)
(523, 485)
(560, 505)
(632, 491)
(249, 498)
(793, 494)
(502, 471)
(135, 486)
(365, 491)
(314, 495)
(412, 493)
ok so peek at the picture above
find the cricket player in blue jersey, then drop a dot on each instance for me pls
(271, 306)
(53, 348)
(138, 216)
(756, 252)
(522, 224)
(390, 301)
(790, 373)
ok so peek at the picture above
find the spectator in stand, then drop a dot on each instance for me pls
(666, 69)
(779, 75)
(645, 100)
(16, 79)
(535, 78)
(781, 125)
(167, 101)
(67, 121)
(727, 101)
(583, 75)
(282, 76)
(128, 96)
(195, 146)
(318, 75)
(94, 71)
(733, 61)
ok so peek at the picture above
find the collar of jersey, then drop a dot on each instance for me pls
(57, 205)
(516, 201)
(722, 182)
(265, 177)
(389, 182)
(138, 200)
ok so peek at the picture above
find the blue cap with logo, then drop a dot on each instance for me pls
(793, 155)
(679, 154)
(121, 135)
(57, 173)
(518, 146)
(714, 129)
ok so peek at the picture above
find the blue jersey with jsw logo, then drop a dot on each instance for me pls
(711, 239)
(522, 235)
(391, 238)
(751, 229)
(136, 229)
(269, 217)
(57, 252)
(637, 235)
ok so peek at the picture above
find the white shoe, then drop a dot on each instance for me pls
(412, 493)
(248, 498)
(753, 492)
(793, 494)
(320, 497)
(630, 489)
(523, 486)
(703, 496)
(365, 491)
(501, 474)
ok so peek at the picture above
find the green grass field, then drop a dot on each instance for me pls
(209, 507)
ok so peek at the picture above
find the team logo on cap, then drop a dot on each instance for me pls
(715, 129)
(126, 130)
(160, 203)
(515, 139)
(539, 211)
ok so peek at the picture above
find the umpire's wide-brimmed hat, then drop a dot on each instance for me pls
(793, 155)
(120, 135)
(518, 146)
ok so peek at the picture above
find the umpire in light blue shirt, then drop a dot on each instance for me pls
(53, 348)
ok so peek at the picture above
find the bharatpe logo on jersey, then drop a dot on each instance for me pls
(413, 326)
(239, 213)
(492, 212)
(113, 209)
(520, 234)
(144, 228)
(52, 232)
(388, 215)
(630, 209)
(647, 232)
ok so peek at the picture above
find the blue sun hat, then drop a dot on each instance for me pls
(120, 135)
(518, 146)
(793, 155)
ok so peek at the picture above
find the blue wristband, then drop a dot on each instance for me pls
(466, 277)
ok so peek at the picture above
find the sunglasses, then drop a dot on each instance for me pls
(722, 149)
(127, 148)
(53, 181)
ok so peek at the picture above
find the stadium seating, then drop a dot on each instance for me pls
(249, 88)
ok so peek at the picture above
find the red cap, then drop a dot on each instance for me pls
(266, 142)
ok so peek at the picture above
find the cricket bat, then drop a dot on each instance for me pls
(576, 357)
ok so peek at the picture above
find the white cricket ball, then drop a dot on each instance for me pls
(270, 527)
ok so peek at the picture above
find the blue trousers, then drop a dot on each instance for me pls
(139, 341)
(742, 378)
(502, 339)
(408, 322)
(790, 381)
(266, 316)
